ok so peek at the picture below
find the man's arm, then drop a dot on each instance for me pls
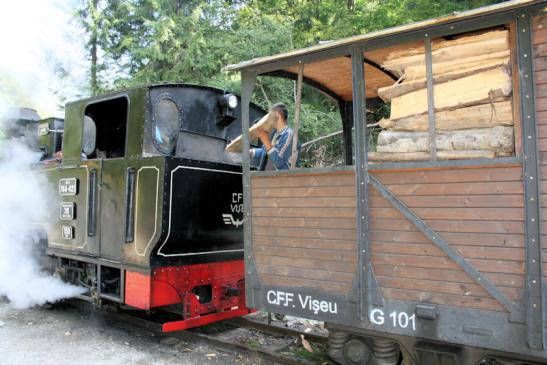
(256, 155)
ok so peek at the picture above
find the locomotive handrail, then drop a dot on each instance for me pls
(130, 205)
(92, 207)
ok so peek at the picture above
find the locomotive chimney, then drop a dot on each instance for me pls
(15, 120)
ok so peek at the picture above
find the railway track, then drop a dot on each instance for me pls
(279, 345)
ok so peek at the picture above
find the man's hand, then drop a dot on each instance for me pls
(264, 137)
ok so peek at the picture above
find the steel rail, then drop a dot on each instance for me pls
(193, 336)
(273, 329)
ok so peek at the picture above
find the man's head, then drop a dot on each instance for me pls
(281, 111)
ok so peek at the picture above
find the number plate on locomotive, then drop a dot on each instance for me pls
(68, 186)
(68, 232)
(67, 211)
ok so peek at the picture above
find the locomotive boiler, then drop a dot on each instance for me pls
(149, 206)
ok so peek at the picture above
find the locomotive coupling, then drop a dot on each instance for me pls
(231, 291)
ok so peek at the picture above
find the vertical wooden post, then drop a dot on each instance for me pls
(294, 152)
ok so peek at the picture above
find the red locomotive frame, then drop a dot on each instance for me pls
(175, 285)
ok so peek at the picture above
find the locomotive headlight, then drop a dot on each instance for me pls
(232, 101)
(227, 104)
(228, 101)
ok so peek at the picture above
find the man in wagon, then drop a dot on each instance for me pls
(276, 150)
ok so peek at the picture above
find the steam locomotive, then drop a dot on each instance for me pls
(148, 204)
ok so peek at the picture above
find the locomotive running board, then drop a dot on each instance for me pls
(203, 320)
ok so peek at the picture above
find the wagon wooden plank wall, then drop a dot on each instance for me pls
(304, 230)
(479, 212)
(310, 241)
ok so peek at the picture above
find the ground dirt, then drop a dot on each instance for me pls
(63, 334)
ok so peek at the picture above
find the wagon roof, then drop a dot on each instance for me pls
(334, 76)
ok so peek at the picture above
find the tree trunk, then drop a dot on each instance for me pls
(457, 64)
(478, 116)
(425, 156)
(499, 139)
(93, 42)
(467, 91)
(445, 51)
(418, 81)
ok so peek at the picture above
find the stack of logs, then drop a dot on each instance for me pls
(473, 109)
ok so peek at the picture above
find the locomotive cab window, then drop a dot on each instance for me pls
(105, 129)
(167, 118)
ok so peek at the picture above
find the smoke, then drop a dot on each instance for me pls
(42, 66)
(26, 203)
(43, 62)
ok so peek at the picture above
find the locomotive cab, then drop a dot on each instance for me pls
(150, 204)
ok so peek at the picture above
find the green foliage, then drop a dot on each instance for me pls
(319, 354)
(144, 41)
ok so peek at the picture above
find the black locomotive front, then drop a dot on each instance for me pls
(150, 203)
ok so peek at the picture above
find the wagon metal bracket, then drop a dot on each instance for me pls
(535, 297)
(252, 280)
(440, 242)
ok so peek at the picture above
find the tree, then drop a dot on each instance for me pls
(89, 14)
(143, 41)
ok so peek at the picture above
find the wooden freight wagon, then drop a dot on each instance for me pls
(430, 243)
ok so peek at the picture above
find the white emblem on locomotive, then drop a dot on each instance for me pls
(236, 206)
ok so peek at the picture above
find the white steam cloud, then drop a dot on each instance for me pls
(43, 61)
(25, 203)
(42, 65)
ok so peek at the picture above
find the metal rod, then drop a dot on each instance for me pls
(298, 107)
(448, 163)
(430, 99)
(359, 118)
(248, 80)
(535, 298)
(92, 203)
(440, 242)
